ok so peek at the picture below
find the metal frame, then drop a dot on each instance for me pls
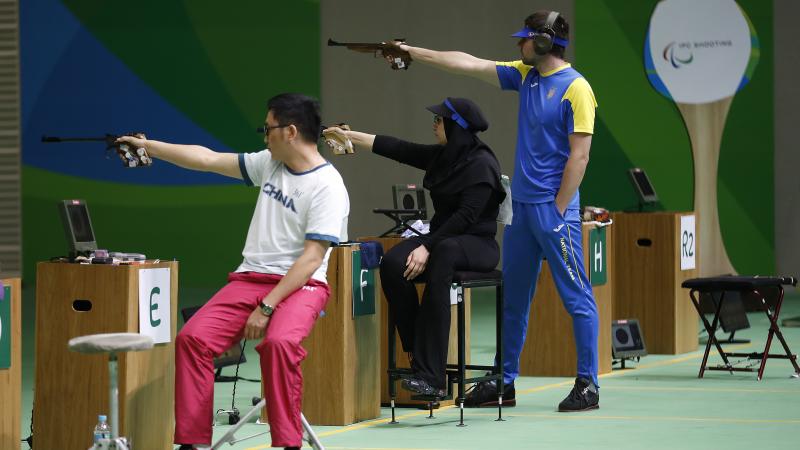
(456, 373)
(230, 437)
(774, 330)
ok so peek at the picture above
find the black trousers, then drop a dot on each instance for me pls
(424, 327)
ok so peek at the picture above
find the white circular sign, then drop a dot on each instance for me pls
(699, 51)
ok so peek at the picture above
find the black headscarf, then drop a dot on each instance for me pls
(464, 160)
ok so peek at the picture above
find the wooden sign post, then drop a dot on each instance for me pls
(699, 54)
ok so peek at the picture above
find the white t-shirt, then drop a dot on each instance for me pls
(291, 208)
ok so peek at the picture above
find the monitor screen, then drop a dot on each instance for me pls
(79, 218)
(644, 183)
(647, 194)
(77, 226)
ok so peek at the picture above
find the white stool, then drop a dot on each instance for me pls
(111, 343)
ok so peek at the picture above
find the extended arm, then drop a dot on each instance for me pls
(362, 141)
(455, 62)
(194, 157)
(415, 155)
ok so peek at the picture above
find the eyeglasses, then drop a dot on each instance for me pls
(437, 120)
(266, 128)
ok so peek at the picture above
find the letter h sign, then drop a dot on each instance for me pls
(598, 273)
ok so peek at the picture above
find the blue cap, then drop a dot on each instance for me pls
(101, 417)
(529, 33)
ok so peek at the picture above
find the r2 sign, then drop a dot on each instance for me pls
(687, 243)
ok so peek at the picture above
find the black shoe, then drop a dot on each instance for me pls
(484, 395)
(422, 387)
(583, 397)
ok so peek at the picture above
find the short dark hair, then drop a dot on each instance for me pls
(299, 110)
(537, 20)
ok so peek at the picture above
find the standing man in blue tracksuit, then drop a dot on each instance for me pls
(556, 122)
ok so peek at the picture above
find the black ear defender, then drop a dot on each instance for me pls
(543, 39)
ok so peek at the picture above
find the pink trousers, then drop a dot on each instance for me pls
(218, 325)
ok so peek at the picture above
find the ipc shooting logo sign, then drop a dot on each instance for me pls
(700, 51)
(678, 54)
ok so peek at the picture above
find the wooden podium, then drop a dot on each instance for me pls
(404, 397)
(340, 373)
(72, 388)
(11, 378)
(647, 282)
(549, 348)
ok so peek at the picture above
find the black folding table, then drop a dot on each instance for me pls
(768, 290)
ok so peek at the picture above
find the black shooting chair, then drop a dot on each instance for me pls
(768, 290)
(457, 373)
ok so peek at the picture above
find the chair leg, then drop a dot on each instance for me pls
(711, 329)
(312, 437)
(774, 330)
(258, 404)
(392, 365)
(462, 369)
(499, 346)
(430, 411)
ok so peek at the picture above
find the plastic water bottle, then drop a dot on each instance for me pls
(101, 430)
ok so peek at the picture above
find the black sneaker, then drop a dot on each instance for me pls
(484, 395)
(583, 397)
(422, 387)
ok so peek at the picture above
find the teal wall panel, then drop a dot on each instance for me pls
(637, 127)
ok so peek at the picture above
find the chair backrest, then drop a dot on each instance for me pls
(506, 212)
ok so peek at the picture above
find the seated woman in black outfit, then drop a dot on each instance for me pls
(463, 177)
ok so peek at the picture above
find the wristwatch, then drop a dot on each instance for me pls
(266, 309)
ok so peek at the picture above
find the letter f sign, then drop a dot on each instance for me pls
(154, 307)
(364, 283)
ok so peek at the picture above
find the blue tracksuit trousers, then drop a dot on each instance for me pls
(539, 230)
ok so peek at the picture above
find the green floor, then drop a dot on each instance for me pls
(659, 404)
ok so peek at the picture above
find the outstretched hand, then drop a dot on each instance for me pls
(137, 140)
(132, 150)
(397, 55)
(336, 138)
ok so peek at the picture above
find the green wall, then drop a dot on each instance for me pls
(637, 127)
(216, 65)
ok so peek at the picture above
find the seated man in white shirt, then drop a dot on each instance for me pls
(279, 289)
